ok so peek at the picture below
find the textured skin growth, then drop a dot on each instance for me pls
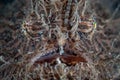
(57, 40)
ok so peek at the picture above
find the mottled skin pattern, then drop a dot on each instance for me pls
(52, 31)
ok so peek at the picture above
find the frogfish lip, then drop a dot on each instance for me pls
(65, 58)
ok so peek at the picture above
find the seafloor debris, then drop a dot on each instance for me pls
(58, 40)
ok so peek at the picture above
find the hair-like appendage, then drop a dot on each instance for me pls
(56, 40)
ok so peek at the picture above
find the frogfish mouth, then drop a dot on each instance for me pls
(68, 58)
